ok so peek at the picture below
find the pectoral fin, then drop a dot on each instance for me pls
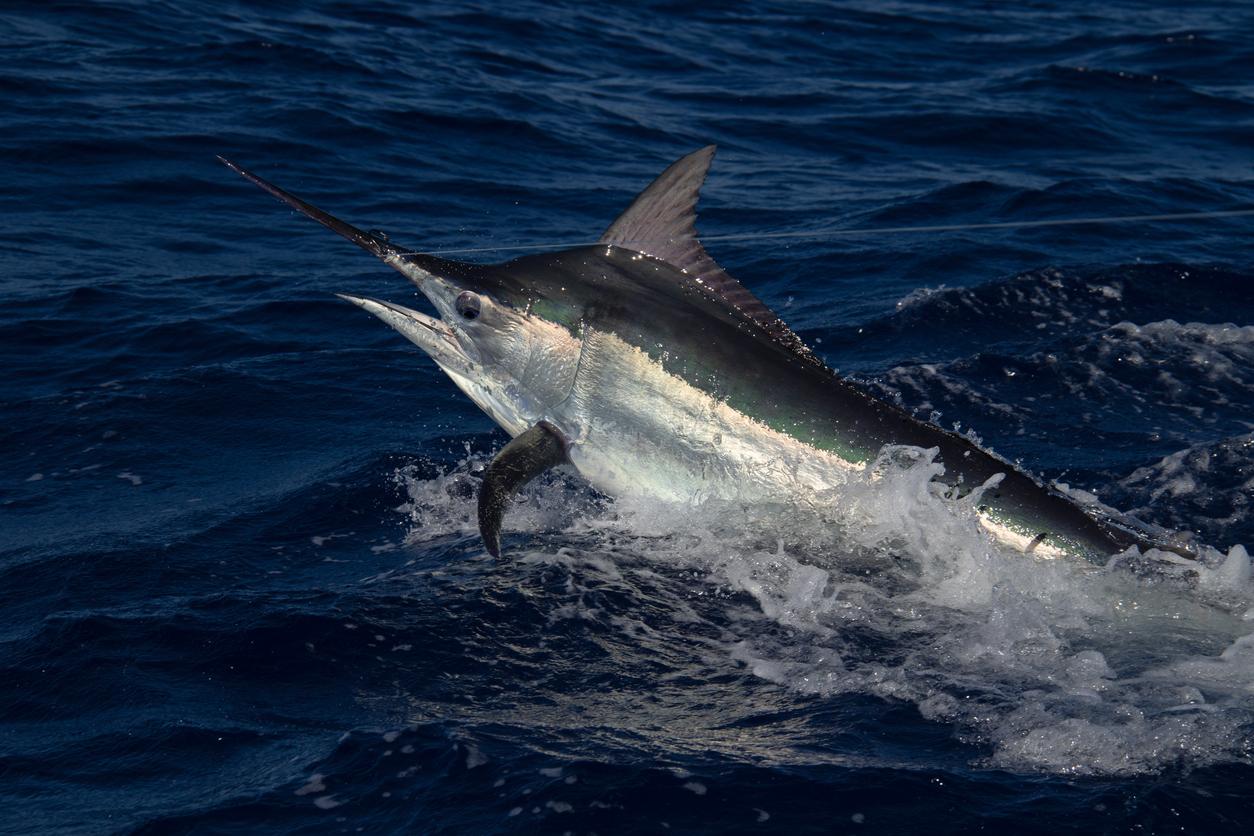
(520, 461)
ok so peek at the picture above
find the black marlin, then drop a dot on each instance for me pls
(642, 363)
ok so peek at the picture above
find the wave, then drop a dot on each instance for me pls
(1205, 489)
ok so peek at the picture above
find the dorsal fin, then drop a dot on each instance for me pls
(661, 222)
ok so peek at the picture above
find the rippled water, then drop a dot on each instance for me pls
(240, 583)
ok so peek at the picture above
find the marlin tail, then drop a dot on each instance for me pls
(643, 364)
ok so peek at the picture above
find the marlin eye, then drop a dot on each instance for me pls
(468, 305)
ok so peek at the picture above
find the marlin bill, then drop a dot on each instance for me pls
(641, 363)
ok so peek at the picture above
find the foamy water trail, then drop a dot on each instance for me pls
(893, 591)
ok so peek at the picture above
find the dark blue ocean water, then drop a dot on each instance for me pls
(240, 588)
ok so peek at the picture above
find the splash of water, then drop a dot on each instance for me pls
(891, 589)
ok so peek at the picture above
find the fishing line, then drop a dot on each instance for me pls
(836, 232)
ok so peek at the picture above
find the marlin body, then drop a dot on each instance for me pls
(648, 368)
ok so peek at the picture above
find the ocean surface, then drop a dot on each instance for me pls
(241, 589)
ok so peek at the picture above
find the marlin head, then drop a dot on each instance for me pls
(511, 363)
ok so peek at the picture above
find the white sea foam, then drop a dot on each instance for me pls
(894, 591)
(1210, 485)
(918, 296)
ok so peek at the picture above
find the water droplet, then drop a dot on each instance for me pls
(378, 235)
